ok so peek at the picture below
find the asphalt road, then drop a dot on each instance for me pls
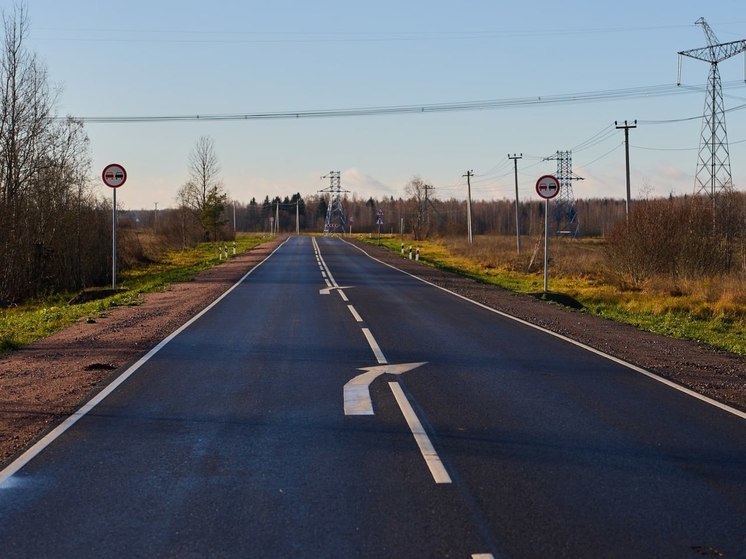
(330, 406)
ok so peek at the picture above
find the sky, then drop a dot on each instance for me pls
(158, 59)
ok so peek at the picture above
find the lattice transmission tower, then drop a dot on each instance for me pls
(713, 173)
(565, 213)
(335, 221)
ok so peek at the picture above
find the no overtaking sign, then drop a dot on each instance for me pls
(114, 175)
(547, 186)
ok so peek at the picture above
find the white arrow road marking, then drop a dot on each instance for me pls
(328, 290)
(357, 391)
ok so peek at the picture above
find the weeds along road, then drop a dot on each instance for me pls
(331, 406)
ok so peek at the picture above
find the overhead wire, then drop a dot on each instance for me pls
(118, 35)
(486, 104)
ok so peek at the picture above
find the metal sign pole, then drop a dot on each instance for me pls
(547, 187)
(114, 241)
(546, 245)
(115, 176)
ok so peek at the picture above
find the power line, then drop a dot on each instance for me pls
(688, 118)
(487, 104)
(118, 35)
(600, 157)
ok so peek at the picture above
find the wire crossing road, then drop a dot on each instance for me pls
(331, 406)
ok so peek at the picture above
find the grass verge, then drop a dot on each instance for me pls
(24, 324)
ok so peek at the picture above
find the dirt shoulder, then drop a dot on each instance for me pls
(45, 382)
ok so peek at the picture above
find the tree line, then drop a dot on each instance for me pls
(53, 230)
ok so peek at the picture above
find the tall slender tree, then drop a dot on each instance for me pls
(203, 192)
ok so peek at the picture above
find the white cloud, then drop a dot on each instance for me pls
(362, 185)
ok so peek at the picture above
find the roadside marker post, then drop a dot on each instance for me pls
(114, 176)
(379, 222)
(547, 187)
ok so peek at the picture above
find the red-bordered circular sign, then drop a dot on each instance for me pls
(547, 186)
(114, 175)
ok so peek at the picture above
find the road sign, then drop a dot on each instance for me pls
(114, 175)
(547, 186)
(379, 217)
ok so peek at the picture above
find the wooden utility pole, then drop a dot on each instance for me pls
(468, 176)
(515, 159)
(626, 128)
(427, 188)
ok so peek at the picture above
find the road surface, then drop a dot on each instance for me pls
(331, 406)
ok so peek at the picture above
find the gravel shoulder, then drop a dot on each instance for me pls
(45, 382)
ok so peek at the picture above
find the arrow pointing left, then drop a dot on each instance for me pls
(357, 391)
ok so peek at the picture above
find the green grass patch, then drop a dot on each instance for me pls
(685, 317)
(24, 324)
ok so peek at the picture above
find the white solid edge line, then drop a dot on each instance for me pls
(434, 464)
(670, 384)
(374, 346)
(45, 441)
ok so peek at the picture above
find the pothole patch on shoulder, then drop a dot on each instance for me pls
(99, 367)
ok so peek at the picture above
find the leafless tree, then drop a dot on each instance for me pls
(416, 189)
(44, 188)
(203, 192)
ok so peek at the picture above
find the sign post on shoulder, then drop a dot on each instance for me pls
(547, 187)
(379, 222)
(114, 176)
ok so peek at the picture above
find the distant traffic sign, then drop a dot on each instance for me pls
(114, 175)
(547, 186)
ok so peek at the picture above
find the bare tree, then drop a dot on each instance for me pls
(44, 189)
(416, 189)
(203, 192)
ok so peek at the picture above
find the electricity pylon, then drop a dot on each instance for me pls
(713, 173)
(335, 221)
(565, 214)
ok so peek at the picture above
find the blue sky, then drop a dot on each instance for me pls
(186, 58)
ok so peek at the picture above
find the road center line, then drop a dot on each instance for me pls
(355, 314)
(357, 393)
(437, 469)
(374, 346)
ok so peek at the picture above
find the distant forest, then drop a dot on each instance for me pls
(593, 217)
